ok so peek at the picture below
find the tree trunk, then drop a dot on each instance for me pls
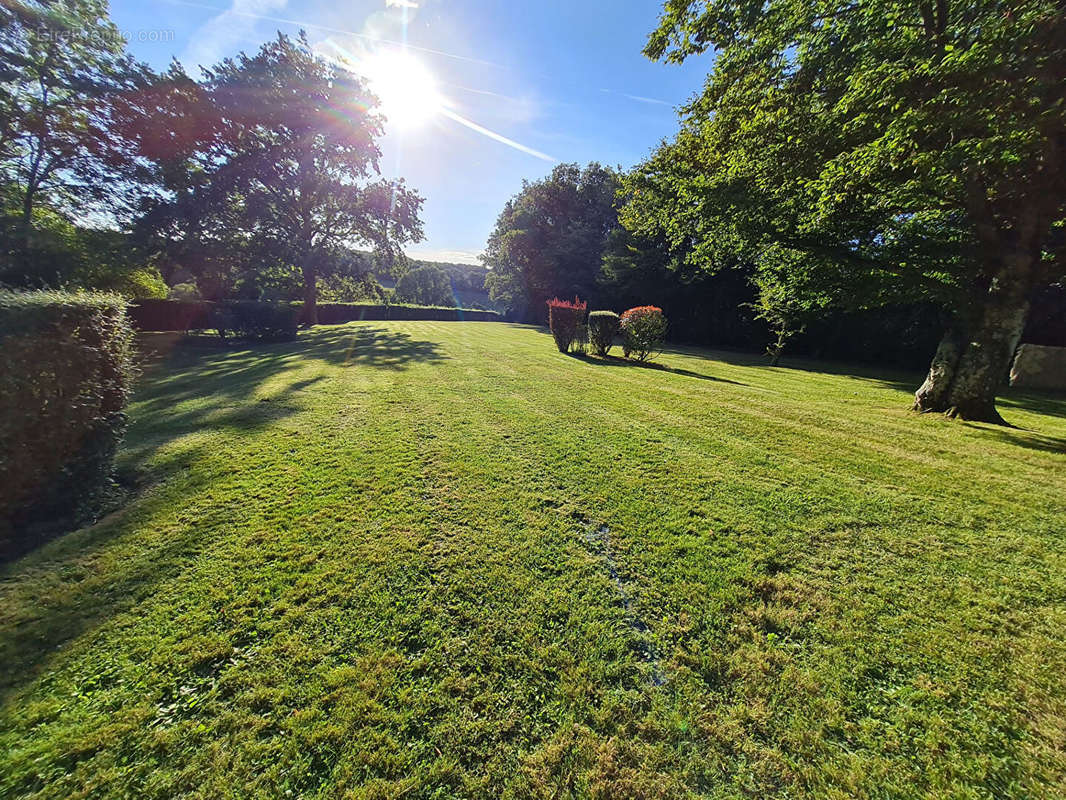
(26, 222)
(971, 364)
(933, 394)
(310, 309)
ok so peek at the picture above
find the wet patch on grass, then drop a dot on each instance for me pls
(597, 540)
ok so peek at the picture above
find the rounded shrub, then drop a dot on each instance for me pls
(564, 319)
(603, 327)
(643, 332)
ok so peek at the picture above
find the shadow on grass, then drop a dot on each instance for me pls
(54, 594)
(73, 598)
(888, 377)
(1021, 437)
(896, 378)
(201, 367)
(615, 361)
(1052, 405)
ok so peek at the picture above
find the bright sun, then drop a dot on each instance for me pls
(406, 89)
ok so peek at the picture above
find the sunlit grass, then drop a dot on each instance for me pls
(443, 560)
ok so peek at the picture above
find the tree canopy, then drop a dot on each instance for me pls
(550, 238)
(428, 286)
(882, 150)
(278, 151)
(63, 65)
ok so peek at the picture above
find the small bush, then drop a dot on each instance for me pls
(66, 369)
(564, 319)
(603, 326)
(643, 332)
(264, 322)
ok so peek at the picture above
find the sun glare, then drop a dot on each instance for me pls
(406, 89)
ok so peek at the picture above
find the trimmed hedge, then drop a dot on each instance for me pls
(265, 322)
(564, 319)
(337, 313)
(603, 327)
(66, 368)
(171, 315)
(183, 315)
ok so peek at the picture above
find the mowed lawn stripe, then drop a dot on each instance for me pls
(366, 565)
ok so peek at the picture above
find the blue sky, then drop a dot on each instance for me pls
(524, 85)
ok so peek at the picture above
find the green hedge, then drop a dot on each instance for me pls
(65, 373)
(170, 315)
(265, 322)
(336, 313)
(184, 315)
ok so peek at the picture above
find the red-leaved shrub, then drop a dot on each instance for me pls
(564, 319)
(643, 331)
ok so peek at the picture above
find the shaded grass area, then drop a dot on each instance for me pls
(418, 560)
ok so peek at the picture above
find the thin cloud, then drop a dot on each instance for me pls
(227, 31)
(450, 256)
(234, 11)
(496, 136)
(638, 98)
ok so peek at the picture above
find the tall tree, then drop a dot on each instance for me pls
(427, 286)
(894, 149)
(550, 238)
(275, 158)
(63, 63)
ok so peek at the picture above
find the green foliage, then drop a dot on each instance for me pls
(63, 65)
(785, 299)
(146, 282)
(374, 559)
(864, 133)
(342, 288)
(64, 255)
(549, 239)
(643, 332)
(467, 282)
(427, 286)
(603, 327)
(65, 374)
(781, 311)
(180, 315)
(565, 318)
(463, 277)
(106, 260)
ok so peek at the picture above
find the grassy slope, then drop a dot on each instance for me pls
(442, 560)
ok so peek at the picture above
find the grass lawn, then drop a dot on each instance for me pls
(441, 560)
